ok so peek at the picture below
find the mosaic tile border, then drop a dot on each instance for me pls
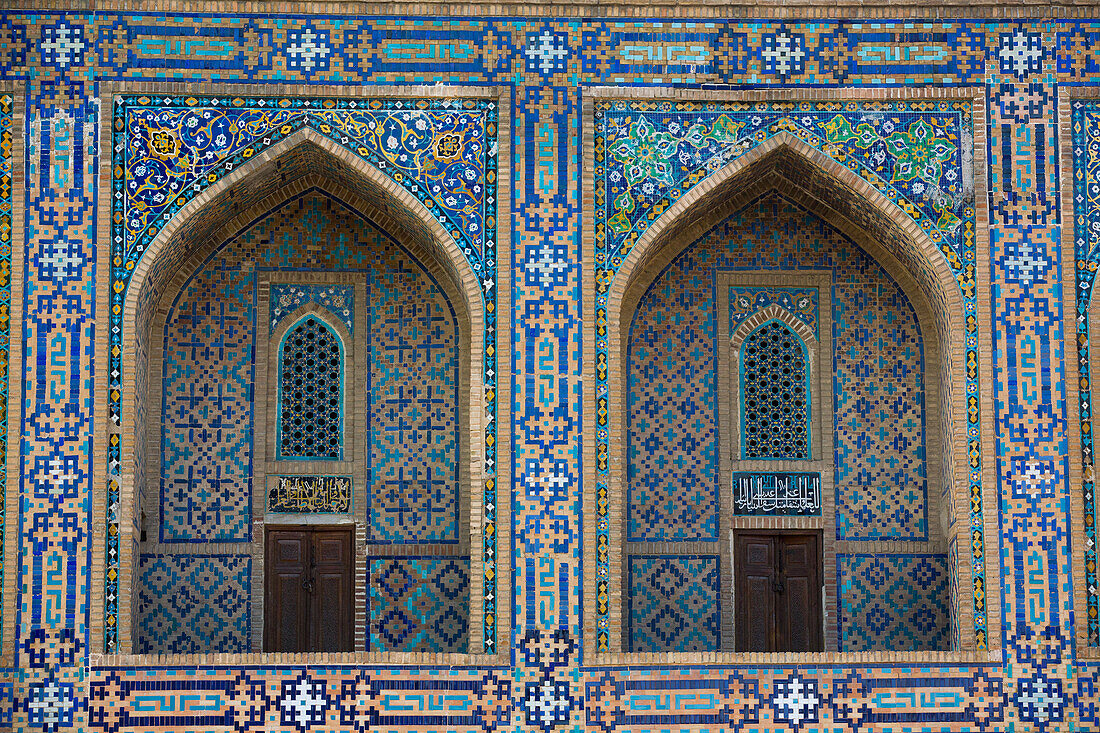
(274, 119)
(8, 143)
(1085, 151)
(694, 9)
(953, 228)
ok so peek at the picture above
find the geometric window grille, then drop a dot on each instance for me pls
(311, 382)
(775, 412)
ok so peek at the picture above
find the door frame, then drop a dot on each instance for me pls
(818, 536)
(312, 527)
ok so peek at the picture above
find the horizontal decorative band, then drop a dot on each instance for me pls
(777, 494)
(309, 494)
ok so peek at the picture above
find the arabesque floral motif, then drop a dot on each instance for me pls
(918, 152)
(652, 157)
(650, 154)
(441, 150)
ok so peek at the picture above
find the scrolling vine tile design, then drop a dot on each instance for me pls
(799, 302)
(649, 153)
(166, 150)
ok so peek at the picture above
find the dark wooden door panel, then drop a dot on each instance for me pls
(800, 600)
(756, 598)
(759, 609)
(308, 590)
(331, 611)
(284, 606)
(778, 592)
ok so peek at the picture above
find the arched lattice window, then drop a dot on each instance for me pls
(775, 409)
(311, 366)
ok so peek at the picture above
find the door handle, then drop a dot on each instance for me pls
(307, 584)
(777, 586)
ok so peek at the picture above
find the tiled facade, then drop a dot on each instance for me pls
(218, 453)
(545, 169)
(873, 375)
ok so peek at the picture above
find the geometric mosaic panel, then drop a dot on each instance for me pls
(892, 602)
(419, 604)
(189, 604)
(206, 435)
(674, 603)
(878, 380)
(413, 406)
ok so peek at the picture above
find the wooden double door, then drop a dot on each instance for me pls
(777, 592)
(308, 591)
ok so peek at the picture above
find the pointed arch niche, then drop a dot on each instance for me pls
(306, 179)
(775, 184)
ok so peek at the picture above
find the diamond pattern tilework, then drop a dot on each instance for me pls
(892, 602)
(189, 604)
(419, 604)
(878, 380)
(674, 603)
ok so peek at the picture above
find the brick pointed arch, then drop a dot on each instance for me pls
(303, 159)
(773, 313)
(813, 179)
